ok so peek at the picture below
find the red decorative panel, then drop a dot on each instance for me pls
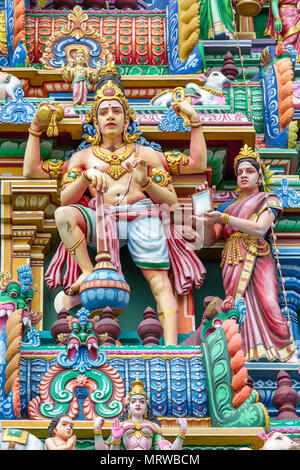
(138, 39)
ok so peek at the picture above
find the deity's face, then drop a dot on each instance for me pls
(137, 406)
(64, 428)
(247, 176)
(79, 58)
(111, 118)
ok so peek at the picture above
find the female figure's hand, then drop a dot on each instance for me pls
(117, 430)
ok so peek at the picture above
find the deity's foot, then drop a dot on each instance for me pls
(74, 289)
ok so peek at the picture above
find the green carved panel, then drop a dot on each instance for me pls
(218, 379)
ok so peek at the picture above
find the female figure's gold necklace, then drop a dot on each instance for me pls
(115, 169)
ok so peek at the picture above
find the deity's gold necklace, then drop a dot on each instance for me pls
(115, 169)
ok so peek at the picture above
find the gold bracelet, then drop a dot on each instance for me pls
(225, 218)
(145, 188)
(115, 443)
(196, 124)
(181, 435)
(97, 432)
(85, 179)
(35, 133)
(277, 17)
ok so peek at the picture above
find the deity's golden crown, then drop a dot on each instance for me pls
(137, 388)
(80, 50)
(247, 152)
(111, 91)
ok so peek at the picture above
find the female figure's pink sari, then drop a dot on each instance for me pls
(290, 19)
(249, 272)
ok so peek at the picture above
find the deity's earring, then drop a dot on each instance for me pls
(96, 140)
(125, 136)
(129, 138)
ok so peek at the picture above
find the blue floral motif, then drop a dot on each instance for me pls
(172, 123)
(18, 111)
(195, 62)
(25, 277)
(32, 338)
(82, 361)
(289, 197)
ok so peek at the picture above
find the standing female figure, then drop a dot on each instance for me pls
(248, 267)
(284, 23)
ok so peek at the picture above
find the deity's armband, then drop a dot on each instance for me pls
(70, 176)
(174, 159)
(53, 167)
(161, 178)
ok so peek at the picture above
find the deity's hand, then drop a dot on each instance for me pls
(138, 168)
(190, 235)
(37, 121)
(278, 26)
(99, 179)
(98, 423)
(117, 430)
(213, 217)
(183, 425)
(186, 108)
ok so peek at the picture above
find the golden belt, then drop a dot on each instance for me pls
(255, 246)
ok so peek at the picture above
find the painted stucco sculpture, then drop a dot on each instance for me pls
(81, 373)
(18, 439)
(283, 23)
(80, 76)
(246, 254)
(208, 93)
(137, 429)
(216, 20)
(61, 363)
(8, 86)
(61, 434)
(124, 171)
(277, 91)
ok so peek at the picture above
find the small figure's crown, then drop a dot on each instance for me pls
(247, 152)
(137, 388)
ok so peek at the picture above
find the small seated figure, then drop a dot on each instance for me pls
(61, 433)
(80, 75)
(138, 429)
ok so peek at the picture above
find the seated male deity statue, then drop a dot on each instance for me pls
(135, 185)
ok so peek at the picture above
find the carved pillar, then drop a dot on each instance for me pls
(28, 230)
